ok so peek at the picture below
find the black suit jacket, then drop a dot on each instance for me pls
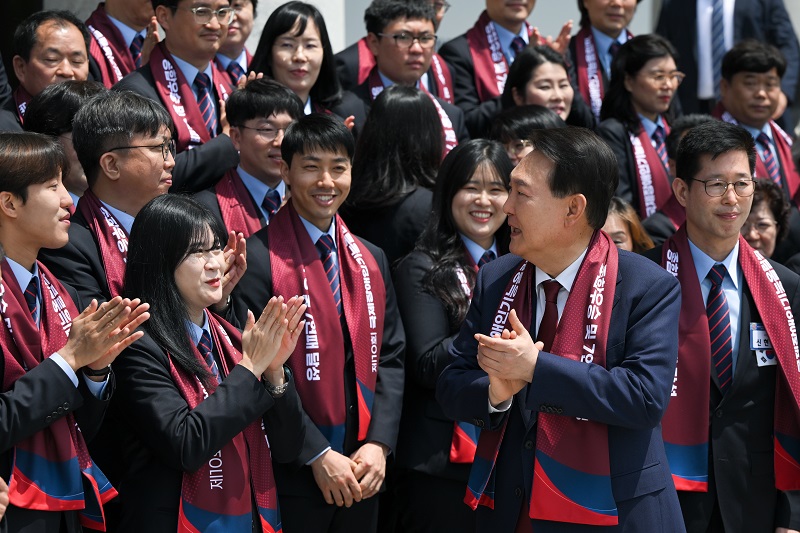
(254, 291)
(741, 470)
(659, 227)
(351, 105)
(162, 437)
(5, 88)
(195, 169)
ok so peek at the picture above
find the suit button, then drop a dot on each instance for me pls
(66, 405)
(559, 410)
(478, 422)
(60, 410)
(718, 413)
(543, 408)
(528, 444)
(54, 414)
(518, 492)
(48, 419)
(352, 409)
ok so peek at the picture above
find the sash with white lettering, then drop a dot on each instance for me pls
(111, 237)
(571, 477)
(448, 133)
(239, 211)
(218, 496)
(52, 470)
(177, 96)
(21, 100)
(108, 48)
(491, 67)
(589, 68)
(685, 425)
(318, 360)
(652, 177)
(221, 67)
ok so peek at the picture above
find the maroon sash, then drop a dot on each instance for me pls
(318, 359)
(111, 237)
(685, 422)
(652, 178)
(239, 212)
(21, 100)
(589, 68)
(245, 463)
(491, 67)
(177, 96)
(108, 48)
(54, 460)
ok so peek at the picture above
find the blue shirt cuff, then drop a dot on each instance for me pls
(97, 388)
(317, 456)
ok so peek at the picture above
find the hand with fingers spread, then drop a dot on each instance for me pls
(334, 475)
(150, 40)
(100, 333)
(224, 124)
(371, 469)
(244, 80)
(261, 339)
(295, 309)
(560, 44)
(235, 257)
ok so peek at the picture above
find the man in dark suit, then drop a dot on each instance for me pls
(545, 406)
(182, 75)
(233, 57)
(348, 364)
(693, 31)
(5, 88)
(736, 321)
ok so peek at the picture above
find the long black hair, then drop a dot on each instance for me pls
(165, 232)
(521, 71)
(399, 149)
(327, 91)
(441, 240)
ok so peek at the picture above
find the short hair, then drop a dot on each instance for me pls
(713, 139)
(640, 240)
(582, 164)
(381, 13)
(111, 119)
(317, 131)
(27, 159)
(518, 122)
(680, 126)
(585, 22)
(53, 110)
(262, 98)
(772, 194)
(25, 34)
(523, 67)
(751, 55)
(631, 58)
(327, 91)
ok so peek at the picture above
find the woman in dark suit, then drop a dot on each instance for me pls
(434, 285)
(635, 117)
(196, 396)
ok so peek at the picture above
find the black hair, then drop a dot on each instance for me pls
(631, 58)
(680, 126)
(772, 194)
(317, 131)
(713, 139)
(53, 110)
(172, 4)
(111, 119)
(165, 232)
(523, 67)
(441, 240)
(585, 22)
(517, 123)
(262, 98)
(327, 91)
(25, 34)
(752, 55)
(29, 159)
(582, 164)
(381, 13)
(399, 149)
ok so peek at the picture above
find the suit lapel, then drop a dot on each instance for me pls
(744, 357)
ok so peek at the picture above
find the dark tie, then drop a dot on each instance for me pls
(661, 146)
(769, 159)
(136, 49)
(271, 203)
(206, 103)
(487, 256)
(547, 327)
(32, 297)
(325, 247)
(518, 45)
(717, 42)
(719, 326)
(613, 49)
(206, 349)
(235, 71)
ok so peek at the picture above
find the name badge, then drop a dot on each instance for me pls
(760, 344)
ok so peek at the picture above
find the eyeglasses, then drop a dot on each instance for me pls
(167, 148)
(716, 188)
(441, 7)
(268, 134)
(659, 78)
(514, 148)
(203, 15)
(761, 227)
(405, 40)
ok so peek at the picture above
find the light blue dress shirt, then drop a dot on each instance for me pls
(506, 37)
(476, 250)
(259, 190)
(603, 44)
(128, 33)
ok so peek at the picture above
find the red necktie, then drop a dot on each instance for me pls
(547, 327)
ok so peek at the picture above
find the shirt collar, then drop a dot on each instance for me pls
(476, 250)
(388, 83)
(703, 263)
(22, 275)
(315, 233)
(506, 37)
(603, 41)
(190, 72)
(756, 132)
(128, 33)
(125, 220)
(567, 276)
(650, 126)
(75, 198)
(308, 109)
(195, 331)
(257, 188)
(241, 60)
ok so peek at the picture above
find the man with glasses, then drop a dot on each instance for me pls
(182, 75)
(735, 465)
(233, 57)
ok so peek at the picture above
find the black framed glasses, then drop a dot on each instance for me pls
(717, 188)
(268, 134)
(203, 15)
(406, 40)
(167, 148)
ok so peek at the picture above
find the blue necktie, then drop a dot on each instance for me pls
(206, 103)
(235, 71)
(325, 247)
(769, 159)
(136, 49)
(206, 349)
(518, 45)
(719, 327)
(271, 203)
(32, 297)
(487, 256)
(717, 42)
(661, 147)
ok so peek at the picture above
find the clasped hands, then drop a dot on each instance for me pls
(344, 480)
(509, 359)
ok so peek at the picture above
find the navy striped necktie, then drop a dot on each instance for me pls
(487, 256)
(719, 327)
(769, 159)
(661, 147)
(206, 348)
(136, 49)
(206, 103)
(271, 203)
(32, 297)
(325, 246)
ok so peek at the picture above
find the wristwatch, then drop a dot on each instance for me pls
(280, 390)
(105, 371)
